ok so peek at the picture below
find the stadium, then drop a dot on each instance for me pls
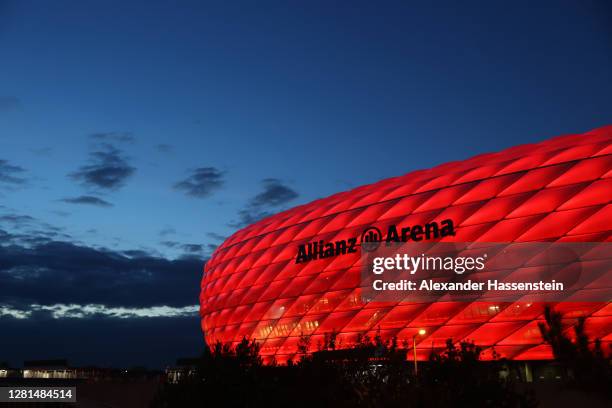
(297, 273)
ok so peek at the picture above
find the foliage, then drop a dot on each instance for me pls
(371, 373)
(586, 365)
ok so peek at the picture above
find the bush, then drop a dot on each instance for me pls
(371, 373)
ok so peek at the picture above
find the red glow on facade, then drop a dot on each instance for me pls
(556, 190)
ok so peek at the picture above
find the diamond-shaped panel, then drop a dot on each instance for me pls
(556, 190)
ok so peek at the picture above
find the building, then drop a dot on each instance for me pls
(559, 190)
(184, 368)
(48, 369)
(60, 369)
(6, 371)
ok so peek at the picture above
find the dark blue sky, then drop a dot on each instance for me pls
(134, 136)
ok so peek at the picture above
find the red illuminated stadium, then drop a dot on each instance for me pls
(556, 190)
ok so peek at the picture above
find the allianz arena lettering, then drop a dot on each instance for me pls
(321, 249)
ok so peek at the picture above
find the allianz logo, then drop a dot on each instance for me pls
(372, 237)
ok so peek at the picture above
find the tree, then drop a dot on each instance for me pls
(552, 333)
(587, 366)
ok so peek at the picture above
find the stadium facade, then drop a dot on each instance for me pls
(272, 281)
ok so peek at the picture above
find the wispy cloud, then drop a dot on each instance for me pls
(215, 236)
(167, 231)
(274, 193)
(189, 250)
(164, 148)
(17, 220)
(124, 137)
(170, 244)
(87, 200)
(203, 182)
(11, 174)
(107, 169)
(14, 313)
(76, 311)
(193, 248)
(273, 196)
(26, 232)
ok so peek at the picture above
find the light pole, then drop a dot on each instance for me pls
(421, 332)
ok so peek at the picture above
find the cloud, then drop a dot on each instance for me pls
(75, 311)
(167, 231)
(61, 213)
(192, 248)
(17, 220)
(170, 244)
(124, 137)
(164, 148)
(87, 200)
(81, 274)
(209, 249)
(215, 236)
(89, 298)
(136, 253)
(14, 313)
(23, 231)
(274, 195)
(202, 182)
(107, 169)
(248, 216)
(11, 174)
(9, 103)
(191, 251)
(26, 233)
